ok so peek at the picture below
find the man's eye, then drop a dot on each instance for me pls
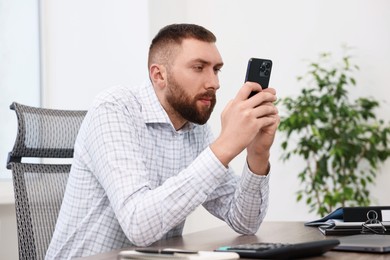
(198, 68)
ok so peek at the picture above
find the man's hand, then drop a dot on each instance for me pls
(248, 123)
(259, 149)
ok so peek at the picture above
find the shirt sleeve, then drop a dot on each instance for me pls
(242, 202)
(145, 212)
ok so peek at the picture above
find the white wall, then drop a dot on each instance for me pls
(90, 45)
(19, 55)
(19, 81)
(289, 32)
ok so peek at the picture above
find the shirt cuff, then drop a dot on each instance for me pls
(254, 182)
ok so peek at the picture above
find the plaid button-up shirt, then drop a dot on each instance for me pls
(135, 179)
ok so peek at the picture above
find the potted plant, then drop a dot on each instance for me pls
(340, 140)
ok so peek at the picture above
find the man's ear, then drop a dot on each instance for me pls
(158, 75)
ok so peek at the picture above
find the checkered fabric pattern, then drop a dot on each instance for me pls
(135, 179)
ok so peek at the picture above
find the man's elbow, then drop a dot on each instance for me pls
(140, 240)
(141, 237)
(248, 228)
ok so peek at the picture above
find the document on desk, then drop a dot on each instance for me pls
(337, 227)
(340, 228)
(354, 214)
(176, 255)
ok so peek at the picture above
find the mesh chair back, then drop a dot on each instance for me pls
(39, 188)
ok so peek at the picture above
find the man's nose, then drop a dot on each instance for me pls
(212, 81)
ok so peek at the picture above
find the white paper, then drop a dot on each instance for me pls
(385, 215)
(201, 255)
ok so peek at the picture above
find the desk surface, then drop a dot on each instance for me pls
(284, 232)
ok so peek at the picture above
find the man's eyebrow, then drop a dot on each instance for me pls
(208, 62)
(219, 65)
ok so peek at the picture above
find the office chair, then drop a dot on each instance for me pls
(39, 187)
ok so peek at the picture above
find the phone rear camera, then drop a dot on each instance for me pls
(265, 69)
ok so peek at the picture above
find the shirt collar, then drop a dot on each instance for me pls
(152, 110)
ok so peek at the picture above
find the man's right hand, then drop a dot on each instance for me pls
(241, 121)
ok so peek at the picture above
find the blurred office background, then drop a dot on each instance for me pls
(60, 54)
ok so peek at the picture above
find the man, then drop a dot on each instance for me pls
(145, 159)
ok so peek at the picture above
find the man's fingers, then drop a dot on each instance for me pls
(270, 90)
(261, 98)
(265, 109)
(246, 89)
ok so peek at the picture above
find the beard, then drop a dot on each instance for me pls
(186, 106)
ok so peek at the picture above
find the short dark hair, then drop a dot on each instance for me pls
(160, 49)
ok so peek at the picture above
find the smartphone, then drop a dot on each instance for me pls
(258, 70)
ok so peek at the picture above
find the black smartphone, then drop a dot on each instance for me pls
(258, 70)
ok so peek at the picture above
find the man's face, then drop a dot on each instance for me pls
(192, 80)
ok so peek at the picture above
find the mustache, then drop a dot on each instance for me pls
(210, 94)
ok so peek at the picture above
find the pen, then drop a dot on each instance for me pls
(165, 251)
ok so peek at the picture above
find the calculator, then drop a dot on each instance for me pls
(281, 250)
